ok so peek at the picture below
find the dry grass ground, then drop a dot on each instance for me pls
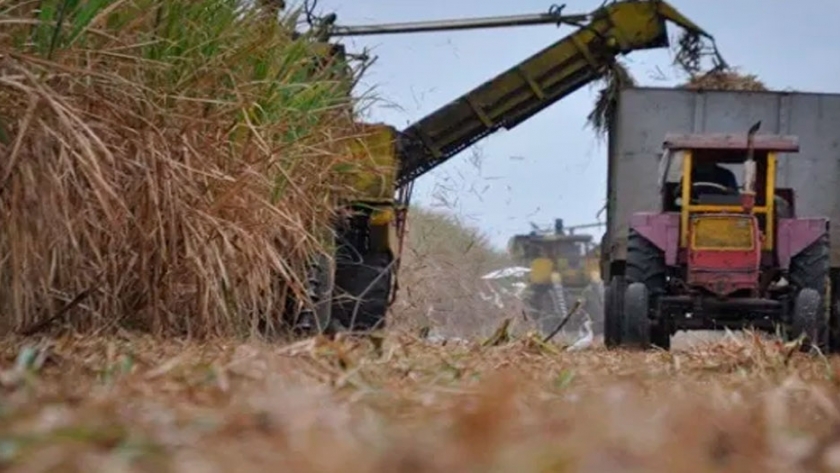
(405, 405)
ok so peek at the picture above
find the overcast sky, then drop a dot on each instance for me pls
(553, 165)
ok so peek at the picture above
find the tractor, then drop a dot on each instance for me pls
(563, 268)
(721, 253)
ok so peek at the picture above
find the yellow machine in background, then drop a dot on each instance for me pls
(354, 288)
(564, 268)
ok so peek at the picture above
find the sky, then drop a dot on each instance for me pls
(553, 165)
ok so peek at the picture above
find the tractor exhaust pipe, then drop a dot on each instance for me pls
(748, 194)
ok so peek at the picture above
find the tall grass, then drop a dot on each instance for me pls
(174, 161)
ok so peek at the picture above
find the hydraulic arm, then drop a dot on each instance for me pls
(535, 83)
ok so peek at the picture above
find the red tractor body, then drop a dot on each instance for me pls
(720, 269)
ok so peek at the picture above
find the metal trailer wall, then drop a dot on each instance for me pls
(646, 115)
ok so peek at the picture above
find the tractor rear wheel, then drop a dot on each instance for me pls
(613, 311)
(646, 265)
(636, 328)
(810, 269)
(807, 319)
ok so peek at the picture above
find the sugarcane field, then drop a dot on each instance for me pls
(373, 236)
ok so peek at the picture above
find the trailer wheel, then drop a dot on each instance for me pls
(807, 319)
(613, 311)
(646, 265)
(810, 269)
(636, 330)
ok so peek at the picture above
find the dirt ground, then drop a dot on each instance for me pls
(398, 403)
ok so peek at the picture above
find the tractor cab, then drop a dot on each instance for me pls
(720, 181)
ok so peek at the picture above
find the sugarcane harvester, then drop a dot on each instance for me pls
(715, 256)
(358, 291)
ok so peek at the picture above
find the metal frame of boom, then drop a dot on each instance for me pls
(554, 16)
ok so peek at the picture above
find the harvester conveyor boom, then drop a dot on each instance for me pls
(537, 82)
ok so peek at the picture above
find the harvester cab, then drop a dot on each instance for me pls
(723, 251)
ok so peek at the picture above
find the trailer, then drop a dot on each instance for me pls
(645, 116)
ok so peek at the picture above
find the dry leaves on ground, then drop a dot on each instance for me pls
(405, 404)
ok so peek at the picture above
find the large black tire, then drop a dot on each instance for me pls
(807, 319)
(636, 328)
(646, 265)
(810, 269)
(363, 291)
(613, 311)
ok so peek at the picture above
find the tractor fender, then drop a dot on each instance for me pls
(796, 234)
(662, 230)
